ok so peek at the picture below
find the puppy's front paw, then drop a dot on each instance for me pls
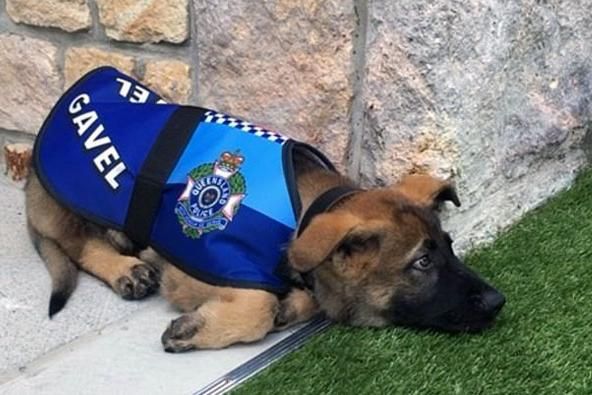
(180, 334)
(139, 282)
(297, 307)
(284, 317)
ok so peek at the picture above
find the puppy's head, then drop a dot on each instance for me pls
(382, 258)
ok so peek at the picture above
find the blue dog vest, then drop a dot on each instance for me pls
(214, 195)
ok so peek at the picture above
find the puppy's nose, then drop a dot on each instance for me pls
(489, 302)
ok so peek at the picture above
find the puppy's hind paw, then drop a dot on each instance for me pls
(180, 334)
(141, 281)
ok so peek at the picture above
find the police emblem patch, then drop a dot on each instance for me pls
(212, 196)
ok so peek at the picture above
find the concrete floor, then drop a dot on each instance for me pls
(99, 343)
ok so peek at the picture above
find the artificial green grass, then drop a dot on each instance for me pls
(542, 343)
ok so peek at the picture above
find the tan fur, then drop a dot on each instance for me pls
(186, 293)
(102, 260)
(321, 236)
(423, 189)
(235, 316)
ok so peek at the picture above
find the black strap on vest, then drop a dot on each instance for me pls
(324, 203)
(155, 171)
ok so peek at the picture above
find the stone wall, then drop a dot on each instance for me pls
(495, 94)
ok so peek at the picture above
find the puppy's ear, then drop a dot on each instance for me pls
(427, 190)
(322, 236)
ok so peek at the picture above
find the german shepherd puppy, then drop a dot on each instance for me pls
(377, 258)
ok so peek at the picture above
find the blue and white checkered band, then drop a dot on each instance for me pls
(223, 119)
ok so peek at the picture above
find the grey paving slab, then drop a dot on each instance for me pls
(25, 330)
(126, 357)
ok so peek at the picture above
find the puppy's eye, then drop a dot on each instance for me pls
(423, 263)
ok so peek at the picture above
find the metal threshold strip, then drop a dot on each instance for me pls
(266, 358)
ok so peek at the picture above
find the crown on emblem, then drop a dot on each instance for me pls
(231, 160)
(228, 163)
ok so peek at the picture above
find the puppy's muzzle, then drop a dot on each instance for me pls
(488, 303)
